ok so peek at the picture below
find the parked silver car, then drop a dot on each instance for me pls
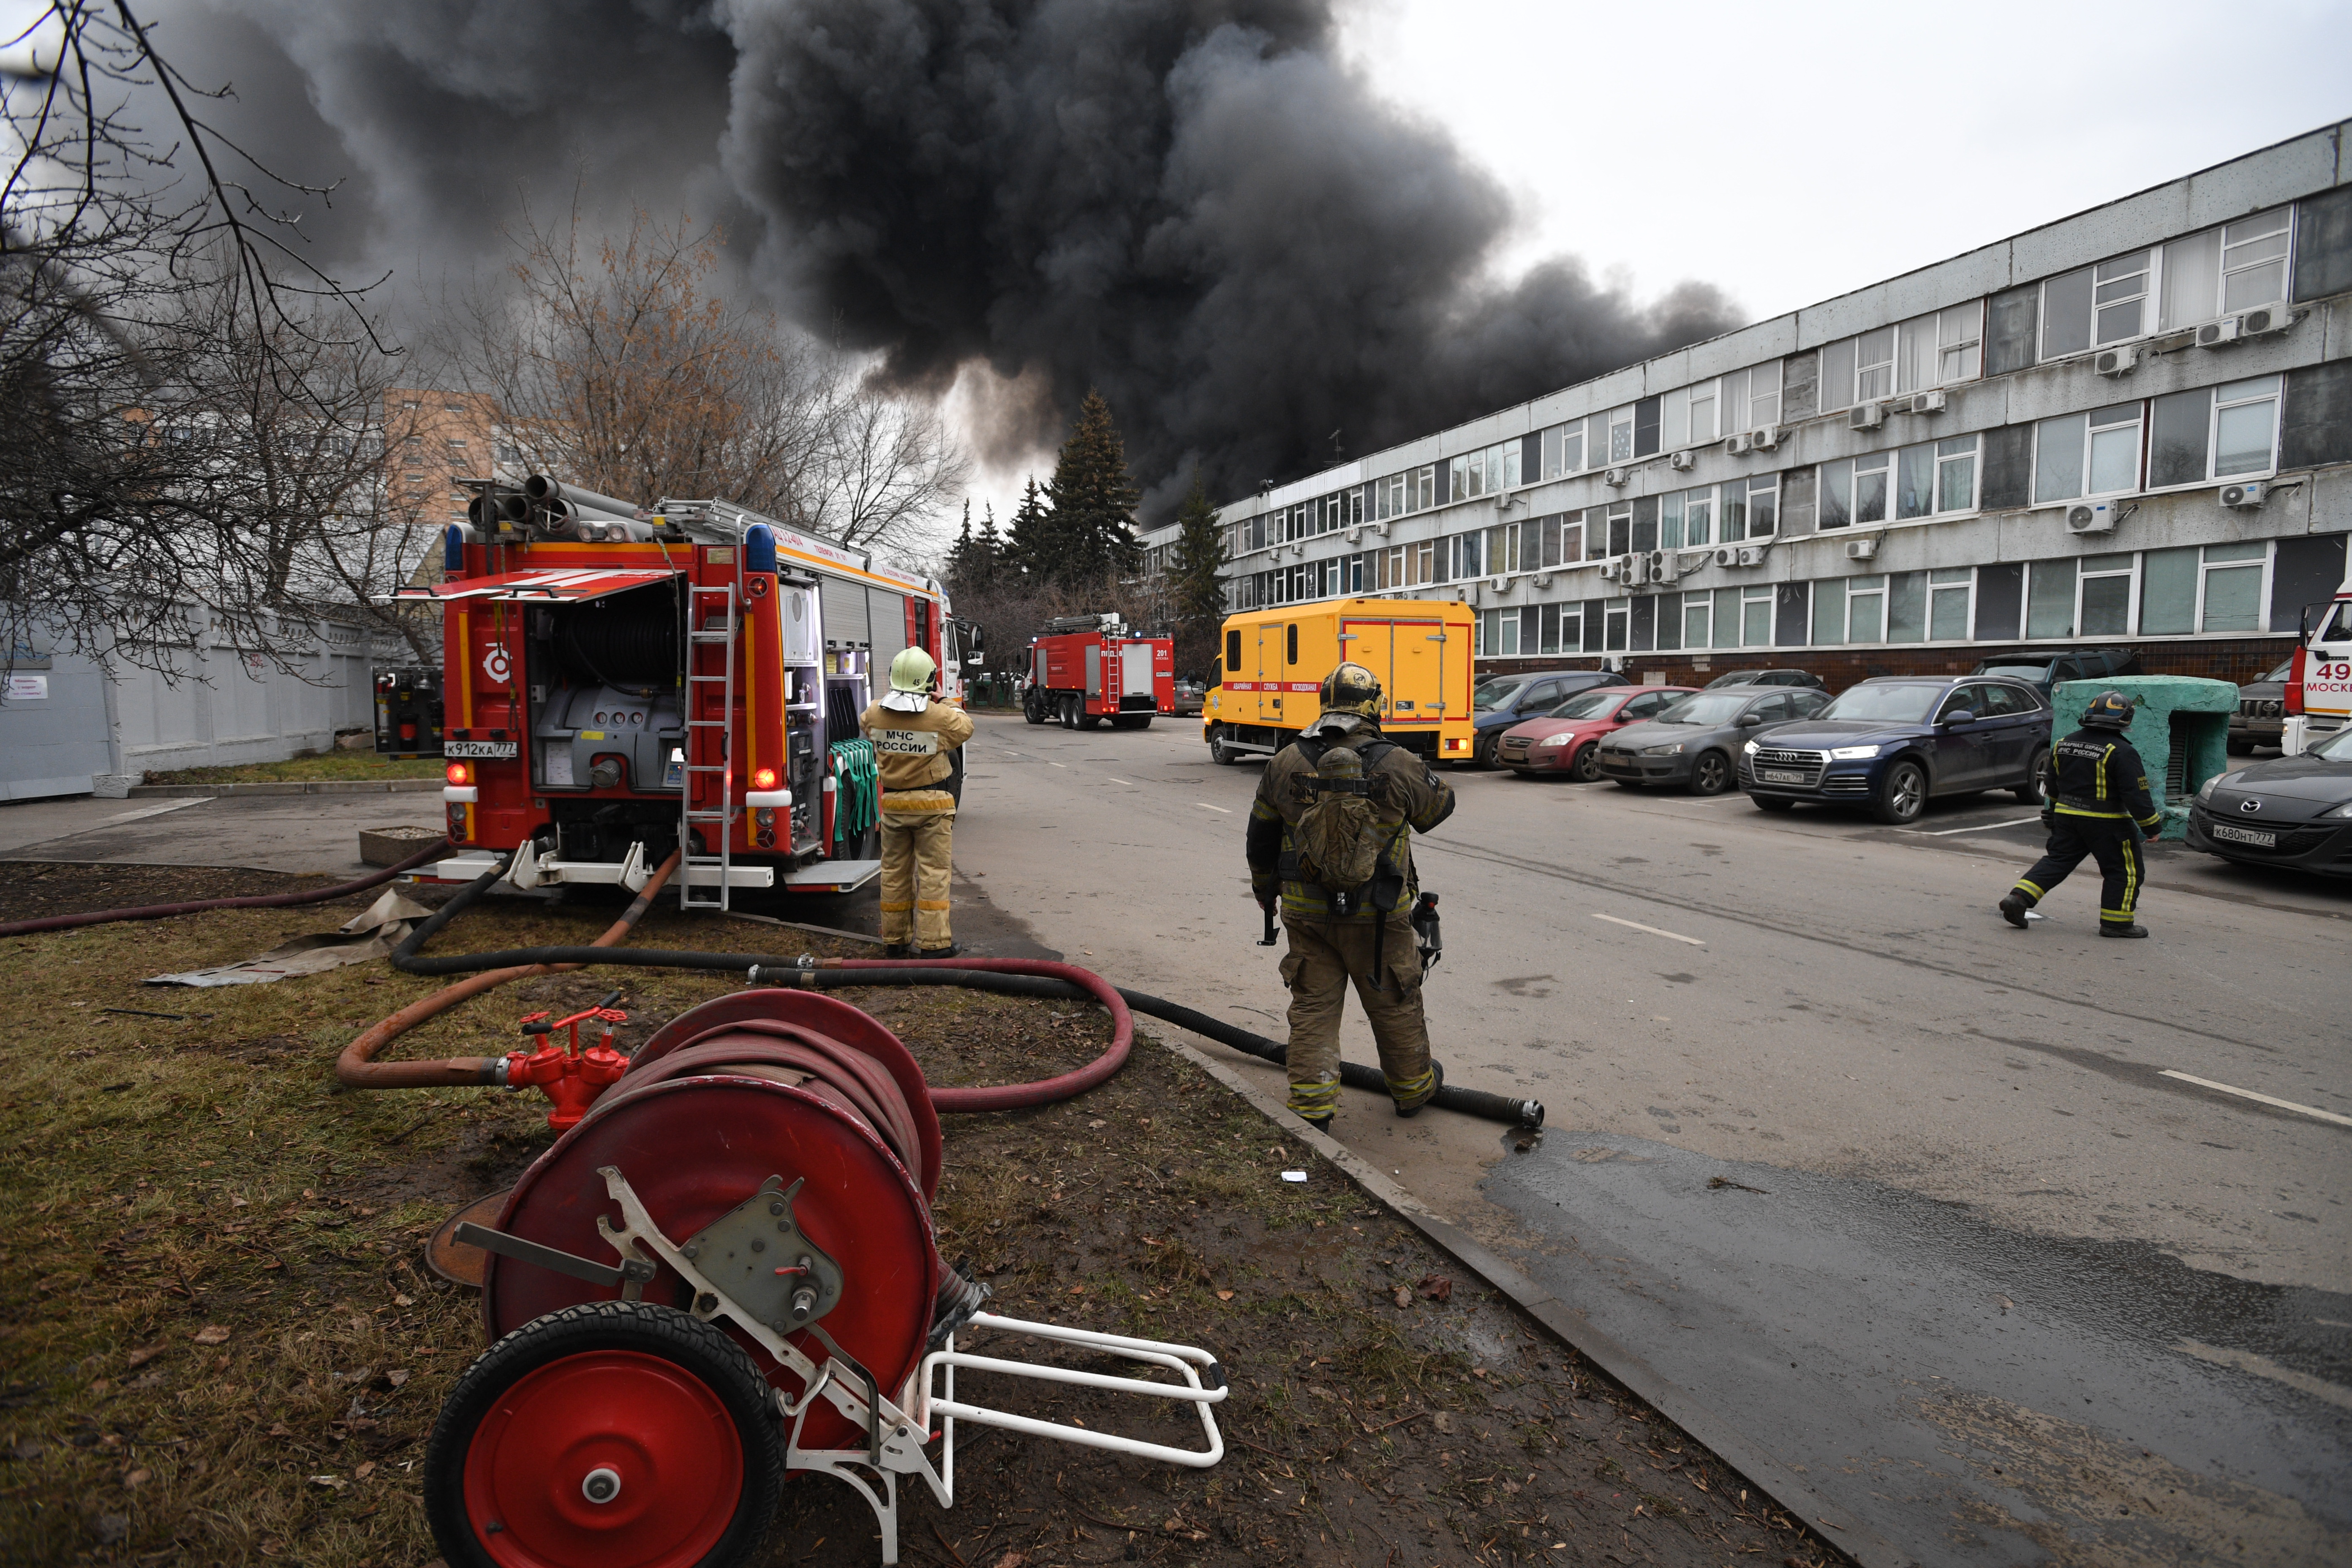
(1692, 743)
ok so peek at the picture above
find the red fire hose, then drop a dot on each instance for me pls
(265, 901)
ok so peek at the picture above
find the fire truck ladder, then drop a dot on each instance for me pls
(706, 801)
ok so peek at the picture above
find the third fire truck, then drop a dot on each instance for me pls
(1086, 670)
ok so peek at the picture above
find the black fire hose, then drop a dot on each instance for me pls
(776, 971)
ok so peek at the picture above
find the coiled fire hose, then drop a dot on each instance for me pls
(1010, 977)
(438, 848)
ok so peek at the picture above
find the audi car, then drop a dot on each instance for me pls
(1767, 677)
(1691, 743)
(2290, 810)
(1893, 742)
(1567, 739)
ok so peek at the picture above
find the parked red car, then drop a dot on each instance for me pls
(1567, 739)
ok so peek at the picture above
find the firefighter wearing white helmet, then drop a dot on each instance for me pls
(914, 739)
(1330, 835)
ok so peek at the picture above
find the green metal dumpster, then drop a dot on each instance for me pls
(2180, 729)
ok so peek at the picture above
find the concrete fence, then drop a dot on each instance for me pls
(71, 724)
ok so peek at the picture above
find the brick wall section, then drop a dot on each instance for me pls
(2235, 659)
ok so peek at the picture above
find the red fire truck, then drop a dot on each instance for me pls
(1086, 670)
(620, 682)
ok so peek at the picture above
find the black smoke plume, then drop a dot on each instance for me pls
(1193, 204)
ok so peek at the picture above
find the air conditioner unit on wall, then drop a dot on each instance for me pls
(1543, 579)
(2091, 517)
(1681, 461)
(1764, 438)
(2245, 495)
(1615, 476)
(1355, 531)
(1637, 568)
(1738, 446)
(1930, 401)
(1866, 416)
(1752, 555)
(1726, 556)
(1666, 566)
(2268, 320)
(1382, 529)
(1861, 549)
(2218, 334)
(2116, 362)
(1614, 569)
(1498, 583)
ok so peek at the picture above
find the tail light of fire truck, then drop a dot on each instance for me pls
(458, 774)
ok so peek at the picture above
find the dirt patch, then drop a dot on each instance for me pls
(34, 889)
(223, 1345)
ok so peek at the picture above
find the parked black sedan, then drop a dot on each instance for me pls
(2291, 811)
(1691, 743)
(1892, 742)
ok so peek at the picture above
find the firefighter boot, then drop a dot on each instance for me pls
(1410, 1098)
(2107, 929)
(2013, 907)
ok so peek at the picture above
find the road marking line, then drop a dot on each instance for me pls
(1204, 806)
(145, 811)
(2261, 1366)
(1060, 764)
(1119, 782)
(1980, 827)
(2250, 1094)
(1653, 931)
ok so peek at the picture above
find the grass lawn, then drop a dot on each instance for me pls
(222, 1344)
(328, 765)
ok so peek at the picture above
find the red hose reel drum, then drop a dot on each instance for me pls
(717, 1102)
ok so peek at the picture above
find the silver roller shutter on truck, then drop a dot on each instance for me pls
(888, 614)
(845, 621)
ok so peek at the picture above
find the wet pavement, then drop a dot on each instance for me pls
(1982, 1395)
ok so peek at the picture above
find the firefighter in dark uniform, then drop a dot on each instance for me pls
(2098, 805)
(1361, 934)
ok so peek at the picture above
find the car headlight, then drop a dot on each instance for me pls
(1852, 753)
(1562, 739)
(1674, 751)
(1748, 750)
(2205, 791)
(2344, 810)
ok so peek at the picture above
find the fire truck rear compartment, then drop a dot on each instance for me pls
(606, 721)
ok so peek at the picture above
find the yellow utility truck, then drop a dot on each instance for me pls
(1274, 660)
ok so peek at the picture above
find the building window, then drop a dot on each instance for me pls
(1618, 537)
(1560, 629)
(1686, 518)
(1613, 617)
(1621, 436)
(1498, 634)
(2213, 432)
(1697, 617)
(2093, 454)
(2106, 588)
(1563, 450)
(1686, 417)
(1873, 364)
(1960, 343)
(1854, 489)
(2050, 599)
(2218, 588)
(1930, 606)
(1562, 541)
(2092, 307)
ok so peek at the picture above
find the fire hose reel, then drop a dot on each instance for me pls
(725, 1272)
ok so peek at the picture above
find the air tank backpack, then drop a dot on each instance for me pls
(1344, 840)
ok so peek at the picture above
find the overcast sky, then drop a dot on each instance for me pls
(1792, 152)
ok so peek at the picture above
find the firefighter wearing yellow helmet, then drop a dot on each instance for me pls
(1330, 837)
(914, 739)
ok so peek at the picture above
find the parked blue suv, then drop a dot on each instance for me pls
(1893, 742)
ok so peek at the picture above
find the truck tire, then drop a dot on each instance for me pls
(1217, 752)
(1069, 705)
(1032, 706)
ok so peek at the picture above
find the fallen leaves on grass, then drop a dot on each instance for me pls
(212, 1334)
(1436, 1287)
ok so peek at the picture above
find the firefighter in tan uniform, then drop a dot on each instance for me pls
(1330, 835)
(913, 737)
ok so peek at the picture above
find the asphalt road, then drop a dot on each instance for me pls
(1919, 1201)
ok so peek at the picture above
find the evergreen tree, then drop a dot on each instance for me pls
(1194, 591)
(1094, 502)
(991, 543)
(959, 552)
(1035, 542)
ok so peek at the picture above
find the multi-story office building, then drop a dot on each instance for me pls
(2129, 427)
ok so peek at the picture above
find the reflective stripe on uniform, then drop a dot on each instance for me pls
(2029, 889)
(1318, 1097)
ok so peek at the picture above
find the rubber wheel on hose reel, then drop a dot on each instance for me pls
(610, 1432)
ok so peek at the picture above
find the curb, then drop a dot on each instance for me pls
(1793, 1494)
(287, 786)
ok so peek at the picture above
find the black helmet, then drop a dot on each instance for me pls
(1351, 688)
(2108, 710)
